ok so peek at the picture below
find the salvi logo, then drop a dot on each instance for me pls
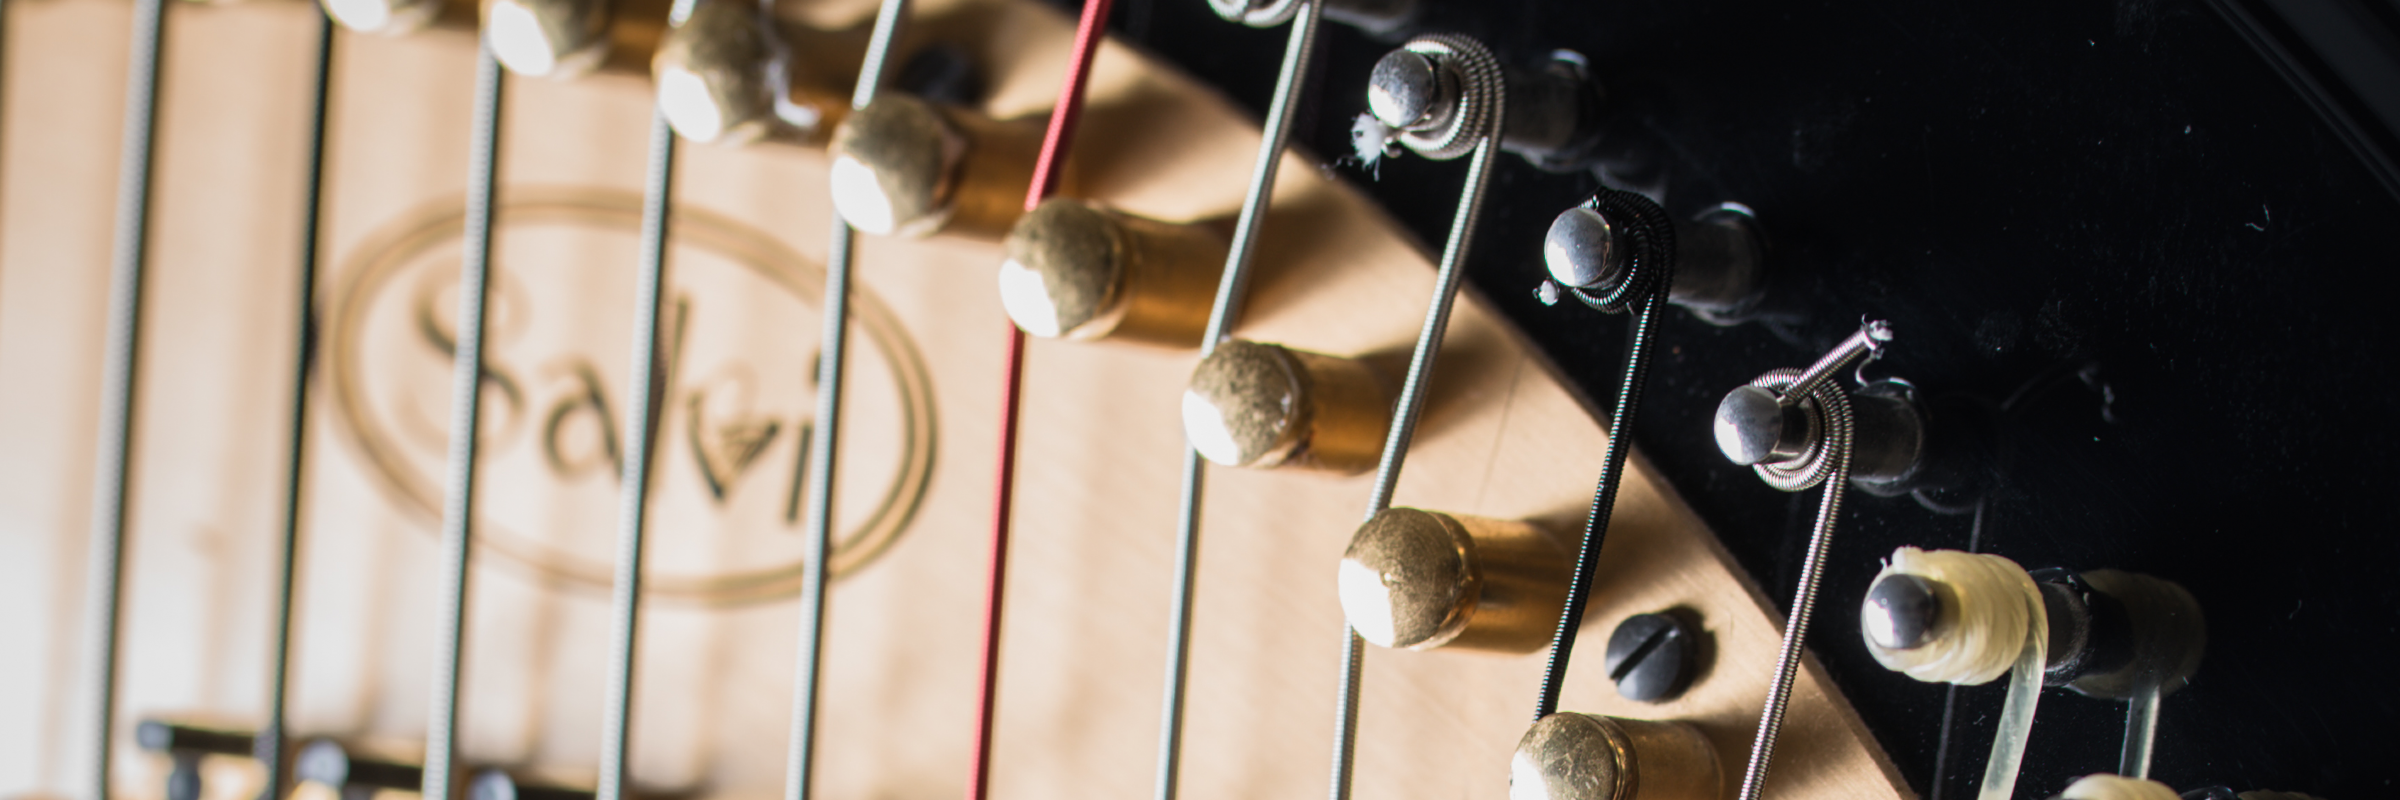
(741, 325)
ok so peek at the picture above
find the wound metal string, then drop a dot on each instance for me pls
(800, 763)
(117, 373)
(1232, 288)
(1404, 418)
(651, 373)
(466, 408)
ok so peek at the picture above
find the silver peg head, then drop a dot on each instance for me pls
(1751, 426)
(1901, 612)
(1582, 250)
(1405, 91)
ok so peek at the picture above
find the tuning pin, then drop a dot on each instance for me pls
(1264, 405)
(2109, 631)
(1425, 579)
(184, 746)
(1379, 18)
(1570, 756)
(1079, 271)
(329, 763)
(1432, 94)
(496, 784)
(1778, 422)
(904, 166)
(1719, 274)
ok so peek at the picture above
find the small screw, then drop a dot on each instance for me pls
(1651, 657)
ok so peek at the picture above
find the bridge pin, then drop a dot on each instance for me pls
(497, 784)
(905, 166)
(1420, 580)
(1570, 756)
(331, 764)
(1078, 271)
(1263, 405)
(184, 746)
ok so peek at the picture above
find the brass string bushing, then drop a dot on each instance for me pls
(904, 166)
(1425, 579)
(566, 38)
(396, 17)
(1570, 756)
(719, 73)
(1079, 271)
(1264, 405)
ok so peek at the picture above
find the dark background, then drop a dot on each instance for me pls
(2165, 225)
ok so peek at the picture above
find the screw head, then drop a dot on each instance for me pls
(1651, 657)
(1901, 612)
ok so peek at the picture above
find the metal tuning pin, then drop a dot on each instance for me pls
(902, 165)
(333, 765)
(1946, 616)
(1719, 270)
(1076, 270)
(1570, 756)
(1783, 421)
(497, 784)
(1264, 406)
(1421, 96)
(185, 746)
(1420, 580)
(565, 38)
(2122, 636)
(1376, 17)
(1792, 452)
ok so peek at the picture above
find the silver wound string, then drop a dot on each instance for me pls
(1404, 418)
(109, 485)
(466, 408)
(1232, 288)
(800, 765)
(650, 375)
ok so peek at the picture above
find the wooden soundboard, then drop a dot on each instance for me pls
(1087, 606)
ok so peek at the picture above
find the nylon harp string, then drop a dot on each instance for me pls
(269, 746)
(800, 765)
(1089, 32)
(109, 484)
(650, 375)
(1232, 288)
(466, 407)
(1412, 404)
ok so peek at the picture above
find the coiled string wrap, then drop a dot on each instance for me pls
(1649, 270)
(1650, 250)
(1827, 462)
(1480, 91)
(1831, 408)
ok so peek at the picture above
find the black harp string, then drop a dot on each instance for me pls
(650, 374)
(1232, 288)
(268, 747)
(466, 407)
(800, 765)
(118, 371)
